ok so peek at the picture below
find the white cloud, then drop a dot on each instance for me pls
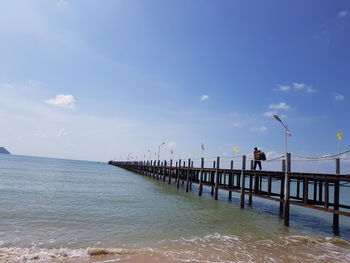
(310, 90)
(204, 97)
(66, 101)
(7, 86)
(295, 86)
(259, 129)
(284, 87)
(62, 132)
(237, 125)
(27, 85)
(343, 13)
(269, 114)
(303, 86)
(280, 106)
(299, 86)
(338, 97)
(62, 4)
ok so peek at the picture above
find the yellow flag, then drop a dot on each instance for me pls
(235, 149)
(339, 135)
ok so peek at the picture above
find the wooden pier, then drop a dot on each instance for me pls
(311, 190)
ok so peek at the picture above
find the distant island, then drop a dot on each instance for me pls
(4, 151)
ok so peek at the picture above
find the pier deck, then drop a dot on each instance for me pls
(311, 190)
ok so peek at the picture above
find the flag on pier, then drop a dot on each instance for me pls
(340, 135)
(235, 149)
(288, 132)
(202, 147)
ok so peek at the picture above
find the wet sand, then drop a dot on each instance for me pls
(119, 259)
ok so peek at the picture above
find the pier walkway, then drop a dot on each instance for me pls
(310, 190)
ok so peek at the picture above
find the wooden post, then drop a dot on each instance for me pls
(320, 191)
(187, 175)
(315, 190)
(191, 176)
(150, 169)
(158, 164)
(184, 171)
(164, 170)
(149, 174)
(336, 199)
(282, 188)
(200, 190)
(326, 193)
(260, 183)
(256, 183)
(298, 188)
(230, 182)
(238, 180)
(269, 186)
(175, 172)
(217, 178)
(154, 168)
(306, 190)
(287, 191)
(244, 158)
(170, 170)
(178, 175)
(250, 198)
(212, 174)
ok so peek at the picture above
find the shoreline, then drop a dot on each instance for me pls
(220, 248)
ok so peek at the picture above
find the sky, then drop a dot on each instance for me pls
(101, 80)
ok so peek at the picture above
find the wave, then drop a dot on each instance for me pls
(211, 248)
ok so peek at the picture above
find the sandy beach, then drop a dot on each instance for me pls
(120, 259)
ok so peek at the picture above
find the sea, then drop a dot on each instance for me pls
(56, 210)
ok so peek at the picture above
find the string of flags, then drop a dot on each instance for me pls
(235, 148)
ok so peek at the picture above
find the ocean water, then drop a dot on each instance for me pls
(66, 209)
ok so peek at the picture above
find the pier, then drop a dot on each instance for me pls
(310, 190)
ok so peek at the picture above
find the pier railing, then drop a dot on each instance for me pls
(319, 191)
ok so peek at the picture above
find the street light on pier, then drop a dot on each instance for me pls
(287, 132)
(286, 170)
(159, 148)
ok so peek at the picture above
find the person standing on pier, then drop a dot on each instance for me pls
(257, 158)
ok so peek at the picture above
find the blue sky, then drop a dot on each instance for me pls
(97, 80)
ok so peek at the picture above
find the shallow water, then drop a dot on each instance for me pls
(52, 208)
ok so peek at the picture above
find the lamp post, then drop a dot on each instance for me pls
(287, 133)
(159, 148)
(150, 155)
(287, 167)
